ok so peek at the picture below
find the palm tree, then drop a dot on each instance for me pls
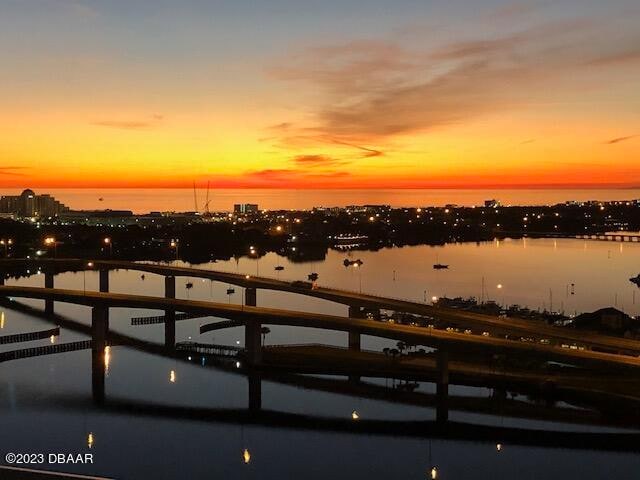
(264, 331)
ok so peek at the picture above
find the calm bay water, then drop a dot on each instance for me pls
(54, 392)
(145, 200)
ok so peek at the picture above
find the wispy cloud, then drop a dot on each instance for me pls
(621, 139)
(139, 124)
(316, 160)
(14, 171)
(281, 178)
(375, 90)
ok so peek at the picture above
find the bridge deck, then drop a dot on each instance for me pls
(455, 317)
(412, 334)
(332, 360)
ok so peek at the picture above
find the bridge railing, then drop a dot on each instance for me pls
(317, 345)
(290, 280)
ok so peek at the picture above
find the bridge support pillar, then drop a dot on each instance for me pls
(255, 392)
(170, 315)
(104, 280)
(442, 387)
(252, 328)
(250, 297)
(354, 337)
(354, 341)
(99, 330)
(252, 343)
(48, 283)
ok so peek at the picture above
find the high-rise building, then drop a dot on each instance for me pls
(245, 208)
(28, 204)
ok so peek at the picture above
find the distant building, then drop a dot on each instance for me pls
(607, 320)
(493, 203)
(28, 204)
(245, 208)
(367, 208)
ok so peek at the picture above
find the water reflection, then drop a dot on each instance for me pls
(132, 395)
(246, 456)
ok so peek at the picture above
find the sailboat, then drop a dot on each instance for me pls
(438, 265)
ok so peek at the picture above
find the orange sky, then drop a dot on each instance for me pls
(524, 97)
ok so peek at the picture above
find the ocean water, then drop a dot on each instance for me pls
(145, 200)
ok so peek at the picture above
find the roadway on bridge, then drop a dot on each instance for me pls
(412, 334)
(454, 317)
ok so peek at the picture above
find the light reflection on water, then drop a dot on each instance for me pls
(55, 391)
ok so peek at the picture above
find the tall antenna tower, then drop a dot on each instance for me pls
(206, 205)
(195, 197)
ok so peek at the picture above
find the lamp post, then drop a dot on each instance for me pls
(175, 244)
(49, 241)
(107, 241)
(254, 253)
(357, 266)
(499, 287)
(6, 244)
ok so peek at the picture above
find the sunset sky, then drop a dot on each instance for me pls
(327, 93)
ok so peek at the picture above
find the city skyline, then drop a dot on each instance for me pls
(327, 95)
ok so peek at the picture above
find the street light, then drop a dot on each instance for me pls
(356, 265)
(48, 241)
(254, 253)
(107, 241)
(6, 244)
(499, 287)
(175, 244)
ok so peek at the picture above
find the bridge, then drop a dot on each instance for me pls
(356, 301)
(632, 237)
(254, 317)
(616, 355)
(279, 369)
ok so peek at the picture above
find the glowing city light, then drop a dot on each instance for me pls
(172, 376)
(355, 415)
(246, 456)
(90, 440)
(434, 473)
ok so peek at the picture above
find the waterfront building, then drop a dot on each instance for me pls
(28, 204)
(245, 208)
